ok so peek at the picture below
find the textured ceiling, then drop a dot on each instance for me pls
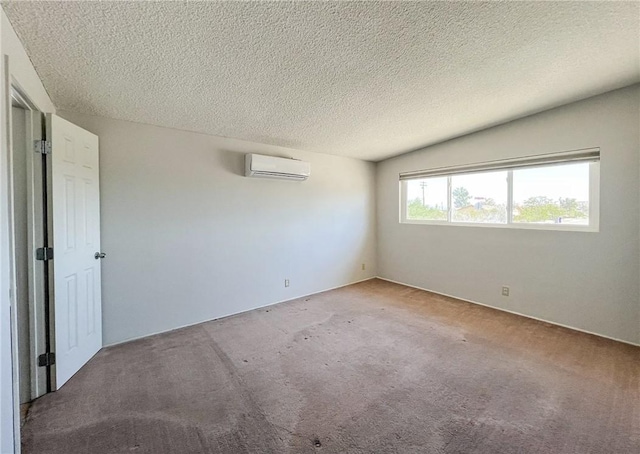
(367, 80)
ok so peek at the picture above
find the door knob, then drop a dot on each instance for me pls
(99, 255)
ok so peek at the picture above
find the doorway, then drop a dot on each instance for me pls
(21, 235)
(29, 276)
(55, 206)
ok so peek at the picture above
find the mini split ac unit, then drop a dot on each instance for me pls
(259, 166)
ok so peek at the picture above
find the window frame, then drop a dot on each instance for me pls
(594, 203)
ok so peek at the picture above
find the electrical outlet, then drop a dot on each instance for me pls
(363, 267)
(505, 291)
(286, 282)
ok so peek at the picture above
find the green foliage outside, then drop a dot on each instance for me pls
(534, 209)
(544, 209)
(417, 211)
(461, 197)
(489, 212)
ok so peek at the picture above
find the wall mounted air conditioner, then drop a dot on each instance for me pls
(261, 166)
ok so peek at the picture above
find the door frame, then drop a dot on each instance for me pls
(35, 221)
(34, 125)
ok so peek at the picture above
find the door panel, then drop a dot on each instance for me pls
(76, 238)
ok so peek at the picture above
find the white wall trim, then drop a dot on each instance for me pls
(510, 312)
(237, 313)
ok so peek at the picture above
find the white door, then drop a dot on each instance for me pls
(75, 203)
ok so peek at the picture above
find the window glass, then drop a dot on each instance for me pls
(480, 197)
(556, 194)
(427, 199)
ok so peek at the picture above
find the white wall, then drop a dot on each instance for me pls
(22, 74)
(584, 280)
(188, 238)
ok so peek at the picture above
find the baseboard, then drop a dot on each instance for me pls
(234, 313)
(511, 312)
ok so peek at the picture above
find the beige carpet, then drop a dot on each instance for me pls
(371, 368)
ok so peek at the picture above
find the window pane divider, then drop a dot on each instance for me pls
(510, 197)
(449, 200)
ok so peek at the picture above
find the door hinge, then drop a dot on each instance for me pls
(42, 146)
(46, 359)
(44, 253)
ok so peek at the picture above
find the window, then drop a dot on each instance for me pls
(479, 197)
(552, 195)
(428, 199)
(557, 191)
